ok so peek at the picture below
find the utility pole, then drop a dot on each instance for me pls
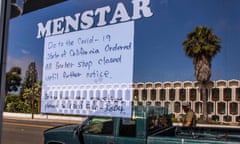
(4, 23)
(32, 102)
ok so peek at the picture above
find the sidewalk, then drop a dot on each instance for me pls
(79, 119)
(44, 117)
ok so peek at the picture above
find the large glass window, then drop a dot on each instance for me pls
(84, 58)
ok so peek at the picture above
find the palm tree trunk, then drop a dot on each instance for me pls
(204, 99)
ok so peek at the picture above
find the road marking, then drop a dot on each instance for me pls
(28, 125)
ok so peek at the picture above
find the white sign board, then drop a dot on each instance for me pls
(89, 72)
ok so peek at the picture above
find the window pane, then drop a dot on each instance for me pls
(227, 96)
(238, 94)
(193, 94)
(177, 107)
(221, 108)
(153, 94)
(182, 94)
(233, 108)
(144, 94)
(162, 94)
(172, 94)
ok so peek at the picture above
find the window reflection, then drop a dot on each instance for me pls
(193, 94)
(182, 94)
(177, 107)
(233, 108)
(221, 108)
(153, 94)
(227, 96)
(162, 94)
(209, 107)
(144, 94)
(215, 94)
(238, 94)
(198, 107)
(172, 94)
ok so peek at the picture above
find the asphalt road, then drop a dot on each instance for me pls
(25, 131)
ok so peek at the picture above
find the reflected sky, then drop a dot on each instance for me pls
(158, 50)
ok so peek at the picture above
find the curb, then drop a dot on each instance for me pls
(44, 117)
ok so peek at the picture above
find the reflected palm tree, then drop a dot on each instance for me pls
(202, 45)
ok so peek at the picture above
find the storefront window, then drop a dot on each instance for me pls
(84, 58)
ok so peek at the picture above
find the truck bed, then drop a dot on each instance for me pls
(184, 135)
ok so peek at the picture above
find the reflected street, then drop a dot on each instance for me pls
(25, 131)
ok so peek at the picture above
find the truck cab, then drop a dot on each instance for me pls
(148, 125)
(112, 130)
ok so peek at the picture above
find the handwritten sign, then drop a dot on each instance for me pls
(80, 67)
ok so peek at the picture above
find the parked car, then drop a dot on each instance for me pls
(148, 125)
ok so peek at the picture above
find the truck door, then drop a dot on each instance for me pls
(127, 132)
(98, 139)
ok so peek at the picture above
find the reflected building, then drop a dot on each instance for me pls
(223, 104)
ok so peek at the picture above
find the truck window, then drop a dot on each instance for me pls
(99, 125)
(127, 127)
(157, 122)
(157, 119)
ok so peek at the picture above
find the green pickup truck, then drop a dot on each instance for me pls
(148, 125)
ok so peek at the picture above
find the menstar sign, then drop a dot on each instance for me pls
(86, 19)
